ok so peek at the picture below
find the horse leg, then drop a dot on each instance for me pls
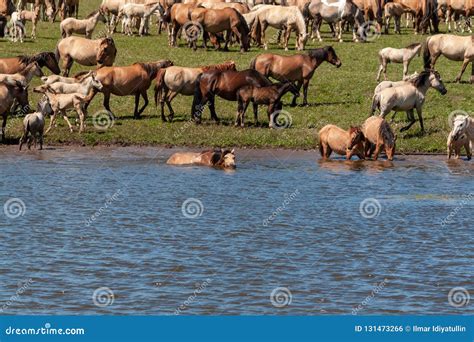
(63, 112)
(412, 120)
(82, 116)
(381, 68)
(339, 27)
(212, 108)
(67, 65)
(106, 101)
(240, 106)
(305, 91)
(405, 68)
(472, 72)
(264, 26)
(287, 37)
(420, 117)
(378, 145)
(168, 103)
(463, 68)
(4, 124)
(467, 146)
(298, 87)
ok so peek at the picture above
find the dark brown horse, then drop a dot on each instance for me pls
(224, 84)
(15, 65)
(128, 80)
(297, 68)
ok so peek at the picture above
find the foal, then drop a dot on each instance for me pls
(270, 95)
(391, 55)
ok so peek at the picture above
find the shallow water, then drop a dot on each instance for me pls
(324, 237)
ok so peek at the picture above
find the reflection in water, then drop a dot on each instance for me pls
(329, 232)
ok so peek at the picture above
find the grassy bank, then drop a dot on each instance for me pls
(339, 96)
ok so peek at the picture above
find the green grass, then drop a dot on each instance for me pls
(338, 96)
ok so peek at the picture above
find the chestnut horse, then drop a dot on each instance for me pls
(176, 80)
(128, 80)
(342, 142)
(14, 65)
(225, 84)
(425, 11)
(100, 52)
(297, 68)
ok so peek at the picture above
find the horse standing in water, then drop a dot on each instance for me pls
(225, 84)
(297, 68)
(348, 143)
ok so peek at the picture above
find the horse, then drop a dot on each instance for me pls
(458, 7)
(396, 11)
(372, 10)
(177, 17)
(378, 135)
(32, 16)
(85, 26)
(288, 18)
(13, 65)
(24, 77)
(8, 95)
(218, 20)
(335, 13)
(424, 11)
(454, 48)
(405, 98)
(392, 55)
(100, 52)
(33, 125)
(223, 159)
(176, 80)
(83, 87)
(269, 95)
(348, 143)
(141, 12)
(128, 80)
(225, 84)
(462, 135)
(297, 68)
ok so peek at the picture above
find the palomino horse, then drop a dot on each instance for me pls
(176, 80)
(391, 55)
(335, 13)
(85, 26)
(454, 48)
(223, 159)
(298, 68)
(8, 95)
(128, 80)
(100, 52)
(218, 20)
(289, 18)
(462, 135)
(346, 143)
(15, 65)
(407, 97)
(378, 134)
(457, 8)
(225, 84)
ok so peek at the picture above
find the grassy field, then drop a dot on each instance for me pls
(339, 96)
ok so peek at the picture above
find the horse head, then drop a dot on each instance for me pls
(48, 59)
(226, 159)
(106, 52)
(460, 125)
(436, 82)
(331, 56)
(356, 137)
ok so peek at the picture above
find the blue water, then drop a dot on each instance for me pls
(103, 231)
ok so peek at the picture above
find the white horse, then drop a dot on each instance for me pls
(85, 26)
(406, 98)
(462, 134)
(280, 17)
(335, 13)
(391, 55)
(83, 87)
(140, 12)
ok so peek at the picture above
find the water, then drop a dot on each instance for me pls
(102, 231)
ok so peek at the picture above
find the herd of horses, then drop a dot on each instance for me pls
(249, 86)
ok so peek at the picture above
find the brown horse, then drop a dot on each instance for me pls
(348, 143)
(224, 84)
(378, 135)
(129, 80)
(425, 12)
(176, 18)
(176, 80)
(8, 95)
(100, 52)
(297, 68)
(223, 159)
(372, 10)
(15, 65)
(218, 20)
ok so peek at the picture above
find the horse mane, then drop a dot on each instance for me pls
(421, 78)
(92, 14)
(354, 130)
(227, 65)
(151, 68)
(387, 133)
(40, 58)
(412, 46)
(27, 69)
(243, 22)
(218, 156)
(319, 53)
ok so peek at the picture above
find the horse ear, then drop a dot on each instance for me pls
(233, 151)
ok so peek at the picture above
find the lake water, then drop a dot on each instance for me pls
(117, 231)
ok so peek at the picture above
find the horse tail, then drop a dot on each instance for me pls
(426, 54)
(160, 77)
(427, 12)
(306, 13)
(197, 100)
(253, 62)
(321, 149)
(375, 103)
